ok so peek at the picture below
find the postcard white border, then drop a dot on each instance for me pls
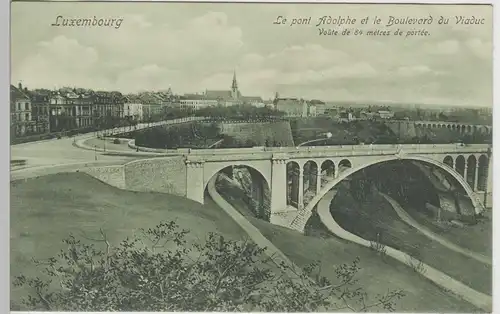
(5, 154)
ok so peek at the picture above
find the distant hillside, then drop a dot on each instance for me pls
(275, 133)
(342, 133)
(376, 132)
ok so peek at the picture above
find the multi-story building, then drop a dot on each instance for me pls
(62, 115)
(83, 110)
(320, 106)
(255, 101)
(40, 109)
(117, 101)
(132, 108)
(292, 107)
(152, 104)
(103, 104)
(312, 110)
(20, 110)
(71, 110)
(197, 101)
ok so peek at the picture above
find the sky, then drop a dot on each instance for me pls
(191, 47)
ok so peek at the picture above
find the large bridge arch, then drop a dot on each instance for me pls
(257, 185)
(263, 167)
(307, 211)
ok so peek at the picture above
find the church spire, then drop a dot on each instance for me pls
(235, 94)
(235, 84)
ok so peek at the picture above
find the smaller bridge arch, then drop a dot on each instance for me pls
(460, 165)
(311, 176)
(344, 164)
(471, 171)
(448, 160)
(482, 176)
(293, 173)
(327, 171)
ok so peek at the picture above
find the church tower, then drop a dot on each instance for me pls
(234, 88)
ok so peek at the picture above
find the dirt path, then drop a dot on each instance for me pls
(410, 221)
(456, 287)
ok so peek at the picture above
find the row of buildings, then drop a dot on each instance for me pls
(294, 107)
(41, 111)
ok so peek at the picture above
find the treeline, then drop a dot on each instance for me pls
(236, 112)
(192, 135)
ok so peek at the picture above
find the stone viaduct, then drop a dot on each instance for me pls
(297, 178)
(460, 127)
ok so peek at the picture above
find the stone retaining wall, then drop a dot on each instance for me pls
(163, 174)
(112, 175)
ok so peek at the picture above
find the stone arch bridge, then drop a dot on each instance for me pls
(297, 178)
(456, 126)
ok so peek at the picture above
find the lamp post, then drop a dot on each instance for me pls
(95, 152)
(327, 136)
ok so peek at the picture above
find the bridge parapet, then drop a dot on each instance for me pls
(258, 153)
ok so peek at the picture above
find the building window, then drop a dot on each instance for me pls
(27, 116)
(26, 106)
(18, 107)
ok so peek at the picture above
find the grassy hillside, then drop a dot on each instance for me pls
(47, 209)
(275, 133)
(376, 132)
(377, 275)
(375, 219)
(477, 238)
(342, 133)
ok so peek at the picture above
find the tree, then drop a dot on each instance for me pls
(157, 270)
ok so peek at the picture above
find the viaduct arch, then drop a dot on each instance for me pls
(199, 173)
(300, 221)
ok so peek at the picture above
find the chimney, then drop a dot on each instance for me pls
(20, 86)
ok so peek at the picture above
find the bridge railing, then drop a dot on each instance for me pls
(351, 149)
